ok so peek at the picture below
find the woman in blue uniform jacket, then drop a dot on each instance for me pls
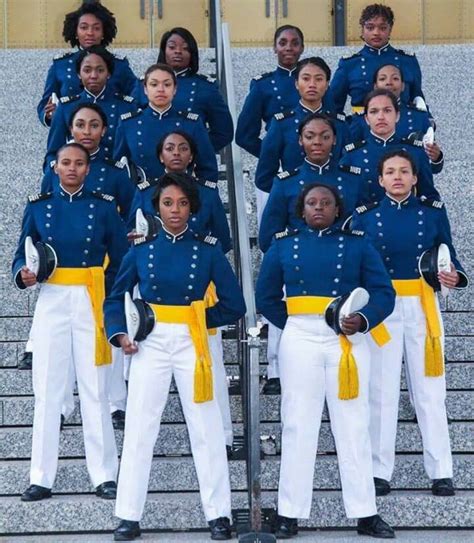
(139, 133)
(81, 227)
(272, 92)
(88, 126)
(173, 270)
(381, 114)
(196, 93)
(280, 146)
(313, 265)
(91, 24)
(355, 73)
(402, 227)
(412, 120)
(177, 152)
(95, 66)
(317, 136)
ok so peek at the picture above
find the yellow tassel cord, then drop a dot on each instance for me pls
(93, 280)
(348, 374)
(194, 316)
(211, 299)
(434, 360)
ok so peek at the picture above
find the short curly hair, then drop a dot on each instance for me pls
(183, 181)
(377, 10)
(299, 206)
(92, 7)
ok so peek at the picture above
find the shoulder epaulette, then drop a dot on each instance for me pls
(366, 207)
(147, 183)
(207, 78)
(350, 169)
(103, 196)
(359, 233)
(140, 240)
(206, 183)
(38, 197)
(67, 99)
(336, 116)
(130, 115)
(262, 76)
(431, 202)
(210, 240)
(286, 233)
(125, 97)
(403, 52)
(287, 173)
(189, 115)
(350, 55)
(354, 145)
(114, 163)
(63, 55)
(413, 139)
(120, 57)
(284, 115)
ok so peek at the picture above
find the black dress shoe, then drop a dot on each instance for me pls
(26, 361)
(272, 387)
(127, 530)
(285, 527)
(107, 490)
(443, 487)
(382, 487)
(220, 529)
(35, 493)
(375, 526)
(118, 419)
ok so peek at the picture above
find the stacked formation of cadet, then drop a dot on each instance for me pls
(127, 237)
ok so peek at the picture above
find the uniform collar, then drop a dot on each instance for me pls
(96, 154)
(63, 193)
(325, 231)
(157, 113)
(379, 51)
(96, 97)
(403, 203)
(317, 167)
(172, 237)
(285, 71)
(183, 73)
(382, 141)
(306, 108)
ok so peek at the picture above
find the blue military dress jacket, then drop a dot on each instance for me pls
(280, 146)
(105, 175)
(175, 270)
(366, 154)
(197, 93)
(139, 133)
(82, 228)
(327, 262)
(354, 76)
(279, 212)
(63, 80)
(112, 103)
(270, 93)
(402, 231)
(211, 218)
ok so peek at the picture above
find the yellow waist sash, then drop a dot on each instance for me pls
(348, 374)
(93, 280)
(194, 316)
(357, 109)
(434, 363)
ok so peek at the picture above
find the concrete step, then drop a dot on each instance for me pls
(18, 410)
(410, 509)
(15, 443)
(178, 474)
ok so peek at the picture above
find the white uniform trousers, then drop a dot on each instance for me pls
(407, 327)
(309, 365)
(168, 351)
(117, 389)
(221, 387)
(274, 332)
(64, 331)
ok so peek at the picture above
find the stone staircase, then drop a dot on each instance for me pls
(173, 502)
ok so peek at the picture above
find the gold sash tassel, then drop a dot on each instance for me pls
(434, 360)
(93, 279)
